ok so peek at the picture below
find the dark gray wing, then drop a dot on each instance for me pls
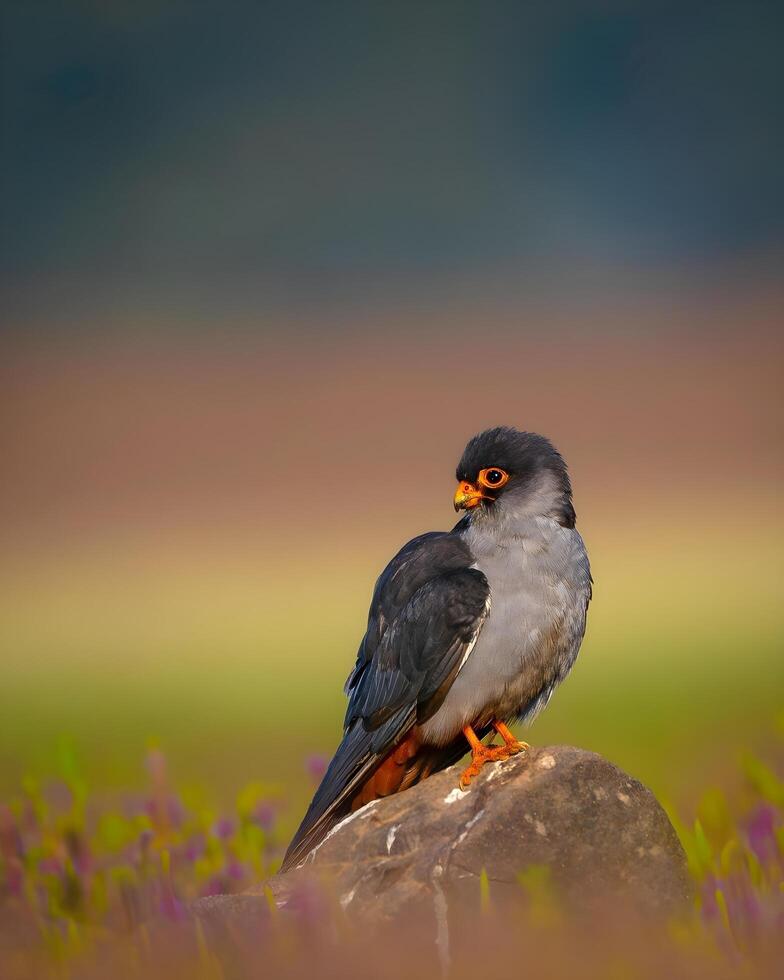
(417, 562)
(427, 609)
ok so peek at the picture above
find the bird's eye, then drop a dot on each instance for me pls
(493, 477)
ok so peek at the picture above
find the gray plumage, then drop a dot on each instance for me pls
(540, 586)
(465, 627)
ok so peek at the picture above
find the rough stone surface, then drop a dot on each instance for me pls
(601, 833)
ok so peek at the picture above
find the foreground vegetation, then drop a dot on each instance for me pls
(91, 879)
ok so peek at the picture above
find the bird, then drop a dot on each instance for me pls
(468, 631)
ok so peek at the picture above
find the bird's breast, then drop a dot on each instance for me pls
(539, 588)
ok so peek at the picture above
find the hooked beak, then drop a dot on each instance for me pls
(467, 496)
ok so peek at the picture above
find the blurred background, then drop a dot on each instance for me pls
(266, 267)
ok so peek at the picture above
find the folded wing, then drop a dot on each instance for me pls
(427, 610)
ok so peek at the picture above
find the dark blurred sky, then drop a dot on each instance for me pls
(182, 158)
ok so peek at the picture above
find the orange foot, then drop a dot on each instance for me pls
(510, 741)
(480, 754)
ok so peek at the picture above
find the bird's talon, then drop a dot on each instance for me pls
(513, 745)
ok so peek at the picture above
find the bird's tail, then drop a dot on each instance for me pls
(358, 774)
(354, 762)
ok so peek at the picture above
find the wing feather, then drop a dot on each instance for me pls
(427, 610)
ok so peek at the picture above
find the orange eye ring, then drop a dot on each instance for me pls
(493, 477)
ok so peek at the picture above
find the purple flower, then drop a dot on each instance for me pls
(224, 828)
(165, 811)
(176, 811)
(213, 887)
(194, 848)
(708, 903)
(14, 877)
(761, 833)
(141, 851)
(10, 840)
(171, 906)
(264, 815)
(316, 766)
(50, 866)
(235, 870)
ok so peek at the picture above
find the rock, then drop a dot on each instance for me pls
(555, 837)
(600, 833)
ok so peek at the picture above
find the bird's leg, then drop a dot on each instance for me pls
(513, 745)
(480, 754)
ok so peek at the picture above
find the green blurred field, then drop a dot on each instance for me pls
(237, 669)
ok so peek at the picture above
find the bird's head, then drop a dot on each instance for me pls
(504, 472)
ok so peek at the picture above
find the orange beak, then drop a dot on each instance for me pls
(467, 495)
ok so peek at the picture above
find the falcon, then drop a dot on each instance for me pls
(468, 630)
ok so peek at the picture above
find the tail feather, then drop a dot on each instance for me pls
(350, 776)
(356, 758)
